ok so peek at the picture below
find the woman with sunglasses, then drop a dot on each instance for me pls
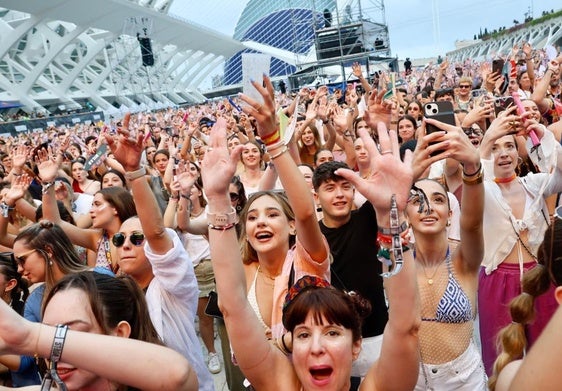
(44, 254)
(513, 337)
(109, 342)
(156, 259)
(323, 323)
(110, 207)
(516, 216)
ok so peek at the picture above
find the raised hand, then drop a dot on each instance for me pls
(185, 178)
(19, 156)
(219, 165)
(48, 164)
(378, 109)
(17, 190)
(389, 175)
(356, 69)
(126, 148)
(263, 113)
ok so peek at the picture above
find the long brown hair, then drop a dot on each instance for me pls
(511, 340)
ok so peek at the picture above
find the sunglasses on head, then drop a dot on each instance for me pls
(136, 238)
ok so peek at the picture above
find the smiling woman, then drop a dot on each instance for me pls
(323, 323)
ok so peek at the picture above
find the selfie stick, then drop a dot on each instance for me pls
(520, 110)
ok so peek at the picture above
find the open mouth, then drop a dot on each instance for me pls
(321, 373)
(264, 235)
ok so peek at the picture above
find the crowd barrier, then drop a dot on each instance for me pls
(40, 124)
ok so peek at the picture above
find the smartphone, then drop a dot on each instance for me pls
(497, 66)
(442, 112)
(478, 93)
(502, 103)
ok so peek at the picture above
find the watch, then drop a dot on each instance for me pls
(132, 175)
(218, 220)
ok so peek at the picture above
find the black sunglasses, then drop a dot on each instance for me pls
(136, 238)
(22, 258)
(469, 131)
(234, 197)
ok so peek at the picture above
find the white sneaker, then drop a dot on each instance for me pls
(214, 363)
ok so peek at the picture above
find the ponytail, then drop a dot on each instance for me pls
(511, 340)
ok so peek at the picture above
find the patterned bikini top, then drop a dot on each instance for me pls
(454, 306)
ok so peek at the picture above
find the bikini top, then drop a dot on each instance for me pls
(454, 306)
(252, 299)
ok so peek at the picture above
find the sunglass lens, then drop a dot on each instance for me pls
(118, 239)
(137, 238)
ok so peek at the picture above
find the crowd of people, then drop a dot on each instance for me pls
(335, 239)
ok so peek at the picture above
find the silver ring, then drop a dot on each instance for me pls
(386, 152)
(209, 149)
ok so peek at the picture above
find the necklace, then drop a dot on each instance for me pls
(430, 280)
(265, 274)
(505, 180)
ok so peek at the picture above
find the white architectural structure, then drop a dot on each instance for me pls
(76, 53)
(539, 35)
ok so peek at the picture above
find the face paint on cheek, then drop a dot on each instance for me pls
(102, 207)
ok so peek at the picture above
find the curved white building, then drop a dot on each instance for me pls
(71, 54)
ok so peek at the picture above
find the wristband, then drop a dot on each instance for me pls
(5, 209)
(58, 342)
(222, 221)
(394, 231)
(46, 187)
(132, 175)
(272, 138)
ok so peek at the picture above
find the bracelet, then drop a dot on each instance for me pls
(473, 174)
(132, 175)
(222, 227)
(394, 231)
(474, 179)
(36, 353)
(5, 209)
(222, 221)
(58, 342)
(46, 187)
(394, 122)
(272, 138)
(278, 144)
(175, 198)
(185, 196)
(285, 149)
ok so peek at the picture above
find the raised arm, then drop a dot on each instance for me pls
(459, 147)
(48, 163)
(256, 357)
(392, 178)
(89, 351)
(127, 151)
(293, 182)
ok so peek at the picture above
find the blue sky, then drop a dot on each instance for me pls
(411, 22)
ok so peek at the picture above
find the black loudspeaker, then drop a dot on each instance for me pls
(146, 51)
